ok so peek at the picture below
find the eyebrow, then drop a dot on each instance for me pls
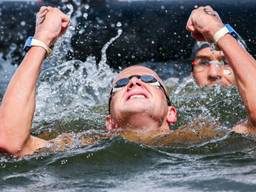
(202, 57)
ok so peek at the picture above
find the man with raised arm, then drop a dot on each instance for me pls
(205, 25)
(139, 106)
(18, 104)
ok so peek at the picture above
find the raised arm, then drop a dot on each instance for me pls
(18, 104)
(203, 24)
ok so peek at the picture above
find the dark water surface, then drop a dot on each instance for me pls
(117, 165)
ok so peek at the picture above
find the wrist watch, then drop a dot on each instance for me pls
(229, 29)
(30, 42)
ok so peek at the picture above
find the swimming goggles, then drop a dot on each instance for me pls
(208, 61)
(201, 64)
(121, 83)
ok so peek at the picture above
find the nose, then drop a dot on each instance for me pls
(214, 72)
(134, 81)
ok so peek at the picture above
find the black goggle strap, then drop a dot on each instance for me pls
(166, 95)
(158, 84)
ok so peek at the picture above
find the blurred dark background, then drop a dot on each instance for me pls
(152, 30)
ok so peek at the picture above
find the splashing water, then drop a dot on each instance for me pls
(6, 71)
(214, 104)
(73, 87)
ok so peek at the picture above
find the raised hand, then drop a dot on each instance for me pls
(203, 23)
(50, 24)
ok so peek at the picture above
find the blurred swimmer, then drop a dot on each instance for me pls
(209, 67)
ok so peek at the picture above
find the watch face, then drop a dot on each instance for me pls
(236, 36)
(232, 31)
(27, 45)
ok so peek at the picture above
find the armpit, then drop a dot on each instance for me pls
(245, 127)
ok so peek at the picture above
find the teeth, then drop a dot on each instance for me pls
(137, 96)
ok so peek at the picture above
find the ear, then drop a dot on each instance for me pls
(171, 115)
(109, 123)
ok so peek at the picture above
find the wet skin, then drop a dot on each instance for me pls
(212, 74)
(140, 106)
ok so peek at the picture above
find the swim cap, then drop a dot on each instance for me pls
(198, 46)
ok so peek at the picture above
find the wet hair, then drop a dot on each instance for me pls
(199, 45)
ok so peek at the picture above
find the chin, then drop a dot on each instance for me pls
(135, 109)
(136, 104)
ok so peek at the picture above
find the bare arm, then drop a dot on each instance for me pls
(244, 67)
(18, 104)
(203, 23)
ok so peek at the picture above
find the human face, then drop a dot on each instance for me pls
(138, 96)
(149, 79)
(210, 68)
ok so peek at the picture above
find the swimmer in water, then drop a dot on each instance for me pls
(209, 67)
(139, 106)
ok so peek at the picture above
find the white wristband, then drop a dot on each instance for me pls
(219, 34)
(38, 43)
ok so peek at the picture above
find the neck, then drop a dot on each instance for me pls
(142, 128)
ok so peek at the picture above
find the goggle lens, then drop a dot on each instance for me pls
(145, 78)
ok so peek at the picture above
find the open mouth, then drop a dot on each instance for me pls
(137, 97)
(137, 93)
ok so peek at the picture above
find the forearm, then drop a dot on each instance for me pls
(244, 67)
(18, 104)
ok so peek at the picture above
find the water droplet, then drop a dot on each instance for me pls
(63, 161)
(86, 6)
(119, 24)
(119, 31)
(85, 15)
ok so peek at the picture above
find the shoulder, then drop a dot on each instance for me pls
(245, 127)
(72, 140)
(195, 132)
